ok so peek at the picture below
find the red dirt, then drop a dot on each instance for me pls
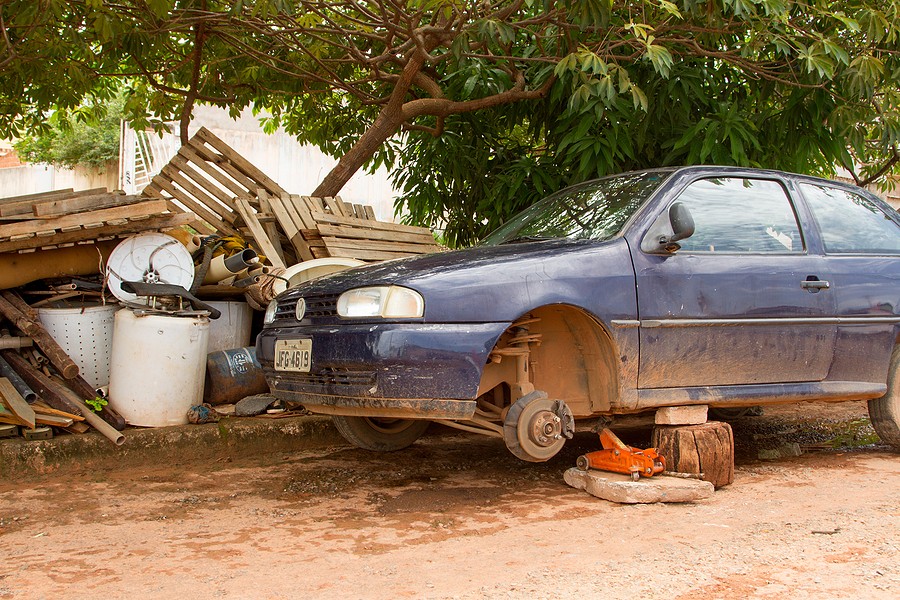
(452, 517)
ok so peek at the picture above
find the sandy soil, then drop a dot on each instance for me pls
(458, 517)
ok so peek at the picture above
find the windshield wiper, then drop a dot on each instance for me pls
(528, 238)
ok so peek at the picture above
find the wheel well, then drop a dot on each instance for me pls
(573, 358)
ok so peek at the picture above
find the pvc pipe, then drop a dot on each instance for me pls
(222, 268)
(105, 429)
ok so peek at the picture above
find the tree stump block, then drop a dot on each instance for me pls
(706, 449)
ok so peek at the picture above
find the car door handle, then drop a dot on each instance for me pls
(813, 284)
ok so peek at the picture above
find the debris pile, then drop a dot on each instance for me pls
(244, 238)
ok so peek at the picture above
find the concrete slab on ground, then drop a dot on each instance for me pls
(176, 444)
(620, 488)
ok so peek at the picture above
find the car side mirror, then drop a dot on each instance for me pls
(670, 227)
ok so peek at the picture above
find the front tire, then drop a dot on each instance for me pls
(885, 411)
(380, 435)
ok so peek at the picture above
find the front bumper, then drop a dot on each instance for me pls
(412, 370)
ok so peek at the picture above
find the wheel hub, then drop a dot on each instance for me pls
(535, 427)
(545, 428)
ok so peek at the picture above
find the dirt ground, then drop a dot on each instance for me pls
(456, 516)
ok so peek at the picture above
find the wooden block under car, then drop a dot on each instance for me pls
(617, 487)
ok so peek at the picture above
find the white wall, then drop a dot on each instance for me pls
(295, 167)
(37, 178)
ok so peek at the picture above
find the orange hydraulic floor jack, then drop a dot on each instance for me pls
(618, 457)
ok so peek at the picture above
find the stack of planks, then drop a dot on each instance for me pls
(235, 198)
(65, 218)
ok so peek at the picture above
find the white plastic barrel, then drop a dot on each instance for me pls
(232, 329)
(157, 367)
(85, 333)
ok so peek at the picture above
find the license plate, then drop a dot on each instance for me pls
(293, 355)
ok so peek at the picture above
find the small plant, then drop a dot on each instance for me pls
(97, 403)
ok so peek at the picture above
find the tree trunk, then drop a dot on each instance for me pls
(696, 449)
(385, 126)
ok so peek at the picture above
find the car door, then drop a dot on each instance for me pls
(861, 242)
(743, 301)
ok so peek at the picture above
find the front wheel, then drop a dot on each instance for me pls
(885, 411)
(378, 434)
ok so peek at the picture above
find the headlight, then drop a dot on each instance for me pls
(270, 312)
(386, 301)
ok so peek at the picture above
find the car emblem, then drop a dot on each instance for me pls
(301, 309)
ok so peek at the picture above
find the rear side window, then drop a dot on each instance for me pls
(737, 214)
(851, 222)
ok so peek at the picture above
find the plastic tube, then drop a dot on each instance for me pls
(222, 268)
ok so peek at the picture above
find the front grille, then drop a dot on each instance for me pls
(317, 307)
(332, 376)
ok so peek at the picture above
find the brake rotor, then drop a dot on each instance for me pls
(536, 427)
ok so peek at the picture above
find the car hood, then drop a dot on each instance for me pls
(488, 283)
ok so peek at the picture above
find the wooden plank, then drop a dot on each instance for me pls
(197, 194)
(219, 162)
(83, 204)
(370, 212)
(53, 420)
(290, 227)
(18, 410)
(360, 233)
(216, 174)
(160, 184)
(313, 204)
(335, 206)
(379, 225)
(269, 226)
(190, 173)
(147, 207)
(150, 224)
(22, 205)
(369, 255)
(332, 242)
(239, 161)
(246, 211)
(41, 408)
(303, 218)
(32, 197)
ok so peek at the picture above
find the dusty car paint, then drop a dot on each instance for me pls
(684, 328)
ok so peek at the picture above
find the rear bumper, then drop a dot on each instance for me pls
(410, 370)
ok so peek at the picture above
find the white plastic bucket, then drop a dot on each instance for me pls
(85, 333)
(157, 367)
(232, 329)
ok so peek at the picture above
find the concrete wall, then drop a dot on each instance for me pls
(34, 179)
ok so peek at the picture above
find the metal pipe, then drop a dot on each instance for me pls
(16, 380)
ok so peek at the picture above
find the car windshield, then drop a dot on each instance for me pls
(594, 210)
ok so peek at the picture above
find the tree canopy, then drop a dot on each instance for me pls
(483, 104)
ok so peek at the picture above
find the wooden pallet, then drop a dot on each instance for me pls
(206, 176)
(367, 240)
(55, 220)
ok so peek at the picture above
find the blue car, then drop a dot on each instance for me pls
(716, 286)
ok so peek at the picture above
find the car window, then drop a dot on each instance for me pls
(851, 222)
(737, 214)
(594, 210)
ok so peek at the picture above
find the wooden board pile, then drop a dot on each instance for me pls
(65, 218)
(235, 198)
(40, 385)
